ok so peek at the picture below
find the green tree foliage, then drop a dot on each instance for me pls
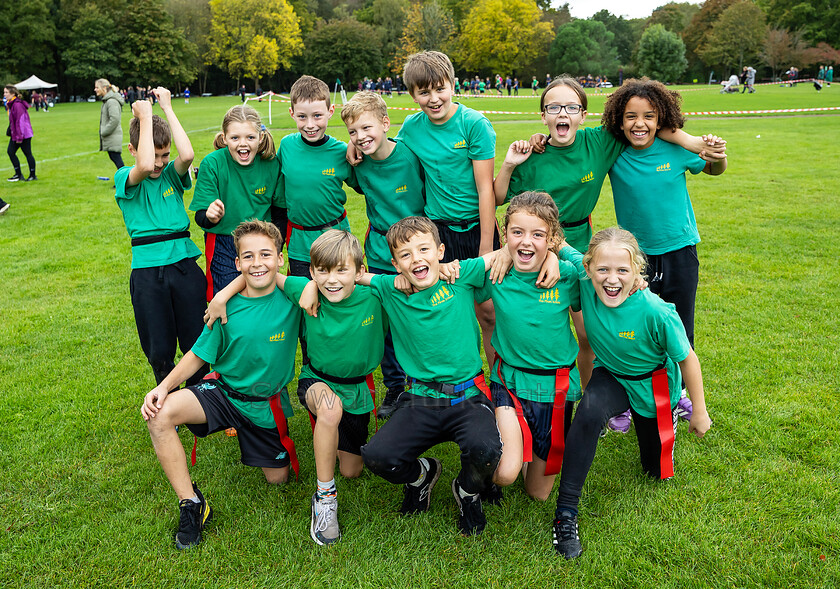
(584, 47)
(625, 36)
(738, 36)
(94, 46)
(697, 33)
(388, 17)
(342, 49)
(556, 16)
(674, 16)
(428, 27)
(25, 29)
(661, 54)
(816, 20)
(151, 48)
(193, 17)
(503, 36)
(254, 38)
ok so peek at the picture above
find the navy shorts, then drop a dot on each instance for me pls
(258, 446)
(463, 245)
(353, 427)
(538, 415)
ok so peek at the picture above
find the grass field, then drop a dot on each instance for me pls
(83, 501)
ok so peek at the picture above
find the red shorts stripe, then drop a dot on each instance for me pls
(209, 250)
(558, 425)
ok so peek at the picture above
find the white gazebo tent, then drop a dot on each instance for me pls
(34, 83)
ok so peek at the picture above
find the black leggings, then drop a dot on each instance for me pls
(604, 397)
(26, 146)
(116, 157)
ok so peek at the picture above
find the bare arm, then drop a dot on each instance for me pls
(692, 143)
(700, 422)
(144, 155)
(155, 398)
(483, 174)
(217, 309)
(517, 153)
(179, 136)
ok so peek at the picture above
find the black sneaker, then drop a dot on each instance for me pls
(31, 178)
(471, 521)
(15, 178)
(565, 536)
(492, 495)
(417, 499)
(194, 516)
(389, 404)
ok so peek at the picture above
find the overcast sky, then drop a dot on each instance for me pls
(625, 8)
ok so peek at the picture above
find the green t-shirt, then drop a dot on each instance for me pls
(393, 190)
(345, 340)
(254, 352)
(533, 331)
(156, 207)
(651, 196)
(247, 191)
(634, 338)
(573, 176)
(436, 335)
(447, 152)
(312, 183)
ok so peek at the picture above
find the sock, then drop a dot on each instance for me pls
(565, 508)
(195, 499)
(424, 468)
(326, 490)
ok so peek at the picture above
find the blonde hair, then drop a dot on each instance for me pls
(365, 101)
(565, 80)
(309, 89)
(13, 90)
(401, 231)
(242, 113)
(616, 237)
(257, 227)
(333, 247)
(103, 83)
(427, 69)
(541, 206)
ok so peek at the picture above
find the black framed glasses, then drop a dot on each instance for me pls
(554, 109)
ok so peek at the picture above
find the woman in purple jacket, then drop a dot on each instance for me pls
(20, 133)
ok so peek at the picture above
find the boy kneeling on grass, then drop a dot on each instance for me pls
(253, 355)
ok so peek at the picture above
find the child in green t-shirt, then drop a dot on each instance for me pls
(253, 355)
(167, 286)
(239, 181)
(392, 180)
(642, 351)
(533, 379)
(346, 339)
(316, 168)
(436, 339)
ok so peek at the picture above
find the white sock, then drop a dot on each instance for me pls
(424, 468)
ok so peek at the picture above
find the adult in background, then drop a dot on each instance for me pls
(110, 130)
(19, 132)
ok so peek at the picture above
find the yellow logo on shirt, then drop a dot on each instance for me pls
(627, 334)
(588, 178)
(460, 144)
(403, 188)
(664, 167)
(168, 192)
(328, 172)
(550, 296)
(368, 321)
(280, 337)
(260, 190)
(442, 295)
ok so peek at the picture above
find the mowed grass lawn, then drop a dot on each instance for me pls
(83, 501)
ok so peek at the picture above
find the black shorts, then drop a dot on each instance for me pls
(538, 415)
(463, 245)
(353, 427)
(258, 446)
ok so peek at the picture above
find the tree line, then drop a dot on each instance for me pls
(214, 44)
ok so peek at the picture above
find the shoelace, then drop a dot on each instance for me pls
(566, 528)
(191, 513)
(324, 513)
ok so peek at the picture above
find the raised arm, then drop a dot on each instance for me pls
(517, 153)
(144, 155)
(179, 136)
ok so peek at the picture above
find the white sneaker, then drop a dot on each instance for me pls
(324, 524)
